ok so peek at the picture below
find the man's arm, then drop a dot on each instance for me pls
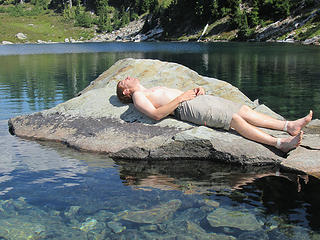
(143, 104)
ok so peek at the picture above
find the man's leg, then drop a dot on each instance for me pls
(251, 132)
(265, 121)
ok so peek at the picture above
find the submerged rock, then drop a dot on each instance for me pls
(18, 229)
(97, 121)
(199, 233)
(72, 211)
(222, 217)
(116, 227)
(154, 215)
(88, 225)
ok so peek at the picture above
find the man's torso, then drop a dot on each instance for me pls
(160, 96)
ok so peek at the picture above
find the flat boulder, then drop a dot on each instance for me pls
(97, 121)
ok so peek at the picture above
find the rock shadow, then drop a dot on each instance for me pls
(190, 175)
(220, 28)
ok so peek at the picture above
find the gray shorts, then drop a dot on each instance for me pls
(208, 110)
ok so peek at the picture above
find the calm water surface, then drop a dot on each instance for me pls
(48, 191)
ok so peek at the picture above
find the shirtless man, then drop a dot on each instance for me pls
(196, 107)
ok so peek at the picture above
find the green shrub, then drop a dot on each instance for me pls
(134, 16)
(69, 13)
(41, 3)
(225, 11)
(104, 25)
(125, 18)
(82, 18)
(16, 11)
(7, 2)
(116, 21)
(35, 11)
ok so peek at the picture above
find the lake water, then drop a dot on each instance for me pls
(48, 191)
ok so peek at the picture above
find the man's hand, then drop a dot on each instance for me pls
(199, 91)
(188, 95)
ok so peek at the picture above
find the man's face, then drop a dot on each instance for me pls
(129, 83)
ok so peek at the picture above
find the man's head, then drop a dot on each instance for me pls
(125, 89)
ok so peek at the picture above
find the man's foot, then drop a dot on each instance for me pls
(287, 144)
(294, 127)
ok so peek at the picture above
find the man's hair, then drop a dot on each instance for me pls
(123, 98)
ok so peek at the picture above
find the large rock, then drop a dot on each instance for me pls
(97, 121)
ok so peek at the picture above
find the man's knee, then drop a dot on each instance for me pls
(236, 119)
(244, 109)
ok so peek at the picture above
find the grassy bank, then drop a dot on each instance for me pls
(48, 26)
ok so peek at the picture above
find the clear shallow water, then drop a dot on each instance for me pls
(48, 191)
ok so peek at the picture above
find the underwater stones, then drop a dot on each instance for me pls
(223, 217)
(72, 211)
(199, 233)
(19, 229)
(196, 214)
(10, 207)
(149, 227)
(88, 225)
(154, 215)
(104, 215)
(116, 227)
(212, 203)
(254, 235)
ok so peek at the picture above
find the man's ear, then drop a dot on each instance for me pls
(126, 92)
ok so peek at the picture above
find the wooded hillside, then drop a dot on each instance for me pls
(176, 17)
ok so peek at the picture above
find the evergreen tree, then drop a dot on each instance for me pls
(244, 31)
(254, 14)
(274, 9)
(214, 9)
(237, 14)
(104, 22)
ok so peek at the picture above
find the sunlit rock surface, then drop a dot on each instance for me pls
(97, 121)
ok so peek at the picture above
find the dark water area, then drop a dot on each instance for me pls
(49, 191)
